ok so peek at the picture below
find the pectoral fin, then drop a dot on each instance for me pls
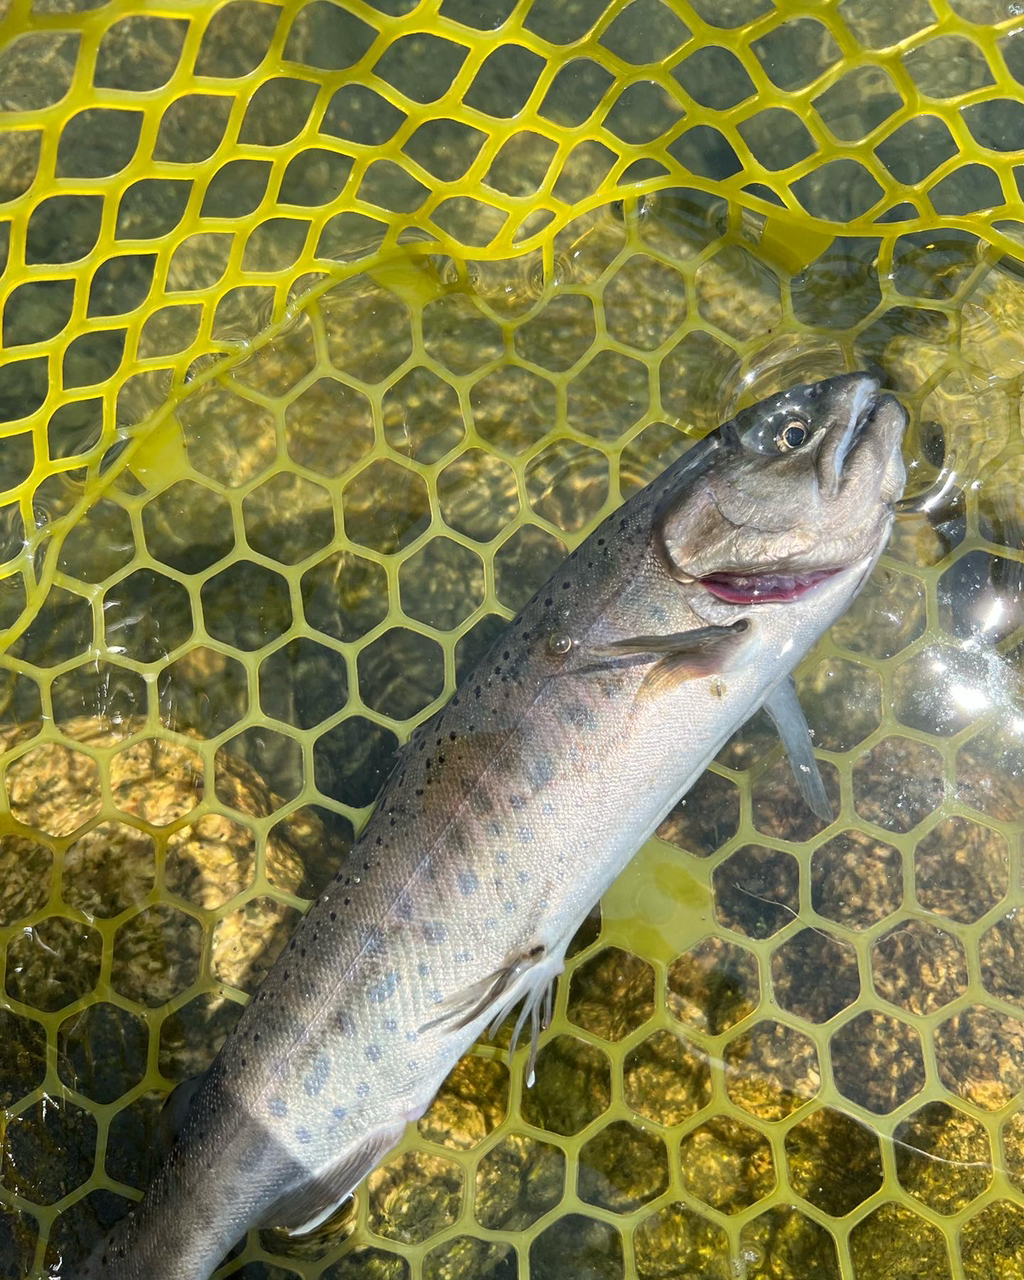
(704, 651)
(785, 710)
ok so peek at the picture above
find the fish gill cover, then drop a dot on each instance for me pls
(327, 329)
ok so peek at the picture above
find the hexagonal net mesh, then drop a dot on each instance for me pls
(327, 330)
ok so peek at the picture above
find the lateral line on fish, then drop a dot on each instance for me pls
(321, 1007)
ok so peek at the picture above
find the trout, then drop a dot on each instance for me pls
(512, 810)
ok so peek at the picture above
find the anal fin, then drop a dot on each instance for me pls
(784, 708)
(305, 1208)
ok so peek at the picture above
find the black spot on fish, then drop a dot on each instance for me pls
(548, 603)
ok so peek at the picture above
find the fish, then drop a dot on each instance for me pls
(512, 810)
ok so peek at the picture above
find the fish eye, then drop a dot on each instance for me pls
(791, 434)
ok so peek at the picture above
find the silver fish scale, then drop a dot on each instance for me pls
(482, 845)
(507, 816)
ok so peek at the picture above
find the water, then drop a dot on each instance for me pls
(781, 1050)
(772, 1014)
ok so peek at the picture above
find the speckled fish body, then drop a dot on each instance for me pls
(512, 810)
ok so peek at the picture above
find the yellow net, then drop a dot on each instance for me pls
(325, 330)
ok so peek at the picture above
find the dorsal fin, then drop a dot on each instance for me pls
(172, 1114)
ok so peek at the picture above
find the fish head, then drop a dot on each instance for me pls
(792, 491)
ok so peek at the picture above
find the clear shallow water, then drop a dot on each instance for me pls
(779, 1025)
(789, 1051)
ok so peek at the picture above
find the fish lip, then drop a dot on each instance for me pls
(841, 450)
(767, 586)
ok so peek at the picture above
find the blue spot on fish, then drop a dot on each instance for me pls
(463, 957)
(525, 834)
(516, 801)
(435, 932)
(437, 996)
(580, 716)
(523, 876)
(412, 1036)
(495, 828)
(373, 1052)
(303, 1135)
(510, 906)
(277, 1107)
(384, 989)
(317, 1076)
(501, 858)
(541, 771)
(468, 883)
(373, 943)
(423, 969)
(362, 1089)
(390, 1025)
(339, 1113)
(547, 808)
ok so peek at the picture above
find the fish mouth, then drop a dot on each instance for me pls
(765, 588)
(866, 403)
